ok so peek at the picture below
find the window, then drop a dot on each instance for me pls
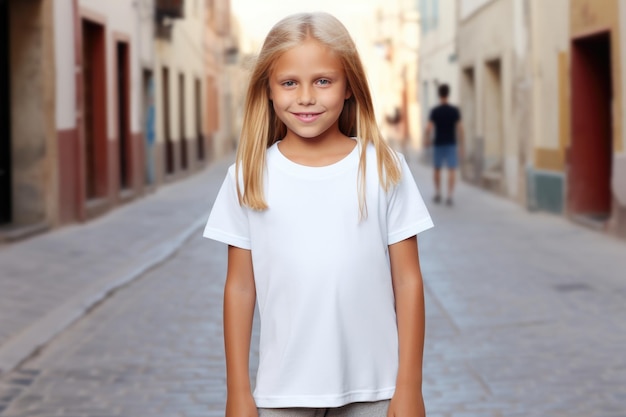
(429, 13)
(424, 16)
(434, 14)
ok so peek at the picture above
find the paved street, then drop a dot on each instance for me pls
(526, 313)
(48, 282)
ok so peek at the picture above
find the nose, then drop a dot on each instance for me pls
(306, 95)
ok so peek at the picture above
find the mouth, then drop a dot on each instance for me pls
(307, 117)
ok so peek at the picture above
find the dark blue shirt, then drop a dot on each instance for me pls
(445, 118)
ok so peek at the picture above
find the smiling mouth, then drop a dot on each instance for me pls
(307, 117)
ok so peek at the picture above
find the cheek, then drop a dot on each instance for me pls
(280, 100)
(278, 109)
(275, 101)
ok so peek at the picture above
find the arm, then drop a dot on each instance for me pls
(408, 289)
(460, 134)
(428, 133)
(239, 301)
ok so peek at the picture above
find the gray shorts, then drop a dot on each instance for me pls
(371, 409)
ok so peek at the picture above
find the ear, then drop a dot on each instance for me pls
(348, 94)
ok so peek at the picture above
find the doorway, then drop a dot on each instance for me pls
(123, 117)
(198, 117)
(5, 117)
(493, 118)
(590, 152)
(473, 149)
(94, 99)
(148, 125)
(181, 122)
(169, 146)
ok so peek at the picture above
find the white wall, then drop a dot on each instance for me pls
(65, 64)
(438, 61)
(121, 18)
(130, 18)
(487, 35)
(467, 7)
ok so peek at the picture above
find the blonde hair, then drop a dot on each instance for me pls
(262, 128)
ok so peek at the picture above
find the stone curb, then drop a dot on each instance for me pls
(26, 343)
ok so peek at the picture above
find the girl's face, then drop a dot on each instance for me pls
(308, 88)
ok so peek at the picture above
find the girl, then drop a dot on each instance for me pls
(321, 218)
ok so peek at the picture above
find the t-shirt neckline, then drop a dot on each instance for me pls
(325, 170)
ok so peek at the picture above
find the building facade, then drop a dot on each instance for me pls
(396, 43)
(103, 101)
(595, 155)
(223, 85)
(181, 85)
(28, 176)
(388, 41)
(99, 60)
(438, 58)
(542, 95)
(493, 45)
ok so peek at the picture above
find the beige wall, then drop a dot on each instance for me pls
(33, 150)
(438, 58)
(487, 46)
(65, 65)
(388, 41)
(550, 74)
(467, 7)
(220, 82)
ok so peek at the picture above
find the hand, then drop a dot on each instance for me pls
(241, 405)
(407, 402)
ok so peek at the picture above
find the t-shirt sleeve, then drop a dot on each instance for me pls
(228, 220)
(407, 214)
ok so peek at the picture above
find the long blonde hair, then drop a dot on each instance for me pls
(262, 128)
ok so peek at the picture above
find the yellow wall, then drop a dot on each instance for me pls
(551, 104)
(590, 16)
(549, 158)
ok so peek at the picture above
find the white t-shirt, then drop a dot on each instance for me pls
(328, 323)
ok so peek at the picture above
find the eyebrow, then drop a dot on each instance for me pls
(320, 74)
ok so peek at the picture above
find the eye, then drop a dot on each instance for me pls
(323, 81)
(288, 83)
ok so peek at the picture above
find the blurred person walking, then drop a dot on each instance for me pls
(445, 123)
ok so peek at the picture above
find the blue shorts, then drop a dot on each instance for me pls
(446, 154)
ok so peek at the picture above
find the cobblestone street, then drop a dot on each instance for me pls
(526, 316)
